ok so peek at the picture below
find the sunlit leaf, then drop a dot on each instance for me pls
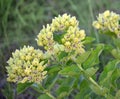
(83, 57)
(44, 96)
(93, 59)
(70, 70)
(88, 40)
(116, 53)
(91, 71)
(53, 69)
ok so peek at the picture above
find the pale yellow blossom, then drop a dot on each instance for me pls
(70, 41)
(108, 21)
(26, 65)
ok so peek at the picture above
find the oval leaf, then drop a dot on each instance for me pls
(21, 87)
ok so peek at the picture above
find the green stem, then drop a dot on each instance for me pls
(47, 92)
(50, 95)
(94, 82)
(90, 79)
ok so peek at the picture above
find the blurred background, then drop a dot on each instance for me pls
(21, 21)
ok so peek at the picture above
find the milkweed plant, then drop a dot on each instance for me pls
(67, 68)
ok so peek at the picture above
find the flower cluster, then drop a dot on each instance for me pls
(108, 21)
(72, 40)
(26, 65)
(72, 37)
(45, 38)
(63, 22)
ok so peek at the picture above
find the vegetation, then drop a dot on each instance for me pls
(92, 73)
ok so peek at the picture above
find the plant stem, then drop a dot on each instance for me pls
(50, 95)
(90, 79)
(47, 92)
(94, 82)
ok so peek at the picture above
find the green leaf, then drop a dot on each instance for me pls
(65, 88)
(118, 82)
(50, 79)
(108, 48)
(53, 69)
(63, 91)
(90, 71)
(116, 53)
(44, 96)
(112, 34)
(88, 40)
(99, 91)
(8, 91)
(93, 59)
(117, 42)
(85, 91)
(70, 71)
(62, 55)
(21, 87)
(115, 75)
(83, 57)
(105, 77)
(37, 88)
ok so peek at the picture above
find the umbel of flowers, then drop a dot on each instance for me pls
(26, 65)
(108, 21)
(70, 35)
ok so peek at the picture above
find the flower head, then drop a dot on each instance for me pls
(63, 22)
(108, 21)
(66, 29)
(26, 65)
